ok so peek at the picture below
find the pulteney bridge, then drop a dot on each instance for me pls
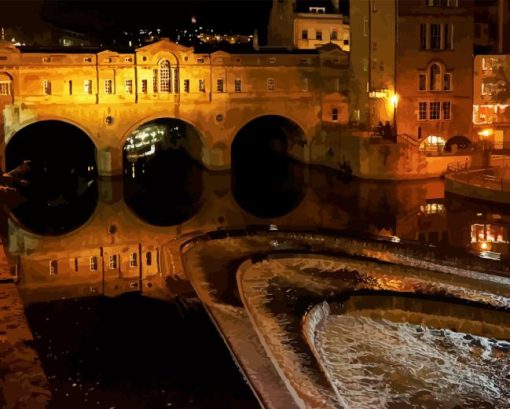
(108, 95)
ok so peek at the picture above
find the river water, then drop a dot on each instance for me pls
(97, 357)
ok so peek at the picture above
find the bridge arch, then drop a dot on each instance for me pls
(162, 162)
(278, 133)
(14, 131)
(62, 193)
(268, 174)
(194, 144)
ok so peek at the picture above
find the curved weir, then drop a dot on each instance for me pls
(348, 332)
(393, 351)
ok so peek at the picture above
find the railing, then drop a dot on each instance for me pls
(480, 179)
(502, 162)
(459, 166)
(410, 140)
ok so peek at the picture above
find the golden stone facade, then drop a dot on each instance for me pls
(110, 94)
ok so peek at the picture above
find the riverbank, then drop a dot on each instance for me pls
(23, 383)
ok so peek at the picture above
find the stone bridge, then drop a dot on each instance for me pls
(108, 95)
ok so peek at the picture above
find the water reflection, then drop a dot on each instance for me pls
(266, 181)
(191, 198)
(164, 189)
(270, 188)
(162, 181)
(63, 191)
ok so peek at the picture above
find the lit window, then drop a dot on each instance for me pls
(164, 76)
(447, 82)
(334, 35)
(320, 10)
(113, 262)
(108, 86)
(318, 35)
(155, 81)
(129, 86)
(435, 36)
(87, 86)
(53, 267)
(336, 85)
(47, 87)
(176, 79)
(219, 85)
(144, 86)
(133, 260)
(432, 143)
(270, 84)
(422, 111)
(186, 86)
(304, 34)
(5, 87)
(237, 85)
(334, 114)
(435, 78)
(201, 85)
(435, 110)
(305, 84)
(422, 86)
(446, 110)
(93, 263)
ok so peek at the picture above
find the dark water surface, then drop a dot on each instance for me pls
(135, 352)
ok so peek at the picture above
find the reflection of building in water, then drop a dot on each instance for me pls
(490, 239)
(432, 223)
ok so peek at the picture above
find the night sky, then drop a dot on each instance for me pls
(104, 17)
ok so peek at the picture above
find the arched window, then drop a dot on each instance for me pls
(432, 144)
(435, 77)
(164, 76)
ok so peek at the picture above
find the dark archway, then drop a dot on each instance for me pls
(63, 193)
(162, 176)
(268, 178)
(462, 143)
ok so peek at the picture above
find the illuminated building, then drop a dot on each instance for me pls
(307, 25)
(110, 94)
(491, 99)
(422, 52)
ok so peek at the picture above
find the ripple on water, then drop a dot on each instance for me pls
(378, 363)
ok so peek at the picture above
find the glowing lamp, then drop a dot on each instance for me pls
(486, 133)
(394, 99)
(484, 245)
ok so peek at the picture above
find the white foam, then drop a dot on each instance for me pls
(376, 363)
